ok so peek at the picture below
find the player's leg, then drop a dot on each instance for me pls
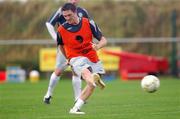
(92, 80)
(81, 67)
(86, 93)
(52, 83)
(76, 83)
(61, 64)
(98, 71)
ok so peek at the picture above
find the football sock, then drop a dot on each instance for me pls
(52, 83)
(76, 83)
(78, 104)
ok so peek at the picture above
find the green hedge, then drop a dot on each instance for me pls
(116, 19)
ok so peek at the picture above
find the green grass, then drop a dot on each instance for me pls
(120, 100)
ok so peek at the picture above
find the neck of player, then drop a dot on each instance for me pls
(76, 20)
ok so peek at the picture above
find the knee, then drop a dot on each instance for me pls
(87, 76)
(58, 72)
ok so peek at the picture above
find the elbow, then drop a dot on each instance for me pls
(105, 42)
(47, 24)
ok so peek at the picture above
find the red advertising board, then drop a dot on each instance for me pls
(136, 66)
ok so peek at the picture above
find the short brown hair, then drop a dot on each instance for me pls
(68, 6)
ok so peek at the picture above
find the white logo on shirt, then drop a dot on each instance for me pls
(69, 28)
(80, 14)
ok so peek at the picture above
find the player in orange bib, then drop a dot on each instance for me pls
(79, 43)
(75, 40)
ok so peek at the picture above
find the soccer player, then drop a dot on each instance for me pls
(75, 39)
(61, 64)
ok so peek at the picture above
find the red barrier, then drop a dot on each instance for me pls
(2, 76)
(136, 66)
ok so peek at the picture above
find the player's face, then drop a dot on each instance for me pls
(69, 16)
(73, 1)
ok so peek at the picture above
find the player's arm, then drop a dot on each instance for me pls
(98, 35)
(50, 24)
(102, 42)
(62, 50)
(60, 44)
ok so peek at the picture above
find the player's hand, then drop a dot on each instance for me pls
(67, 62)
(95, 46)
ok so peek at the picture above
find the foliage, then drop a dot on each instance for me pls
(116, 19)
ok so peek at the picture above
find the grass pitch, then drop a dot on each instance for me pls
(119, 100)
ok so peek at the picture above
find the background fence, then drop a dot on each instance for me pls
(25, 52)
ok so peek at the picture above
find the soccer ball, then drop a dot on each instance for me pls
(150, 83)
